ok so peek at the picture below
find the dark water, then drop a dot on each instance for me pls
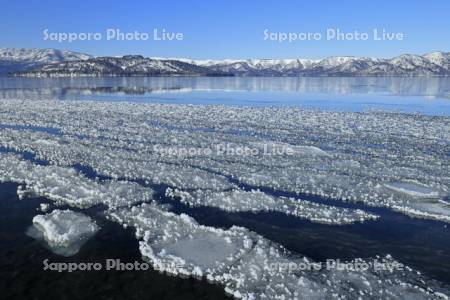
(21, 263)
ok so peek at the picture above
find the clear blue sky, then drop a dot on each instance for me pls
(229, 28)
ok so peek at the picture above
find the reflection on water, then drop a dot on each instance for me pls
(426, 95)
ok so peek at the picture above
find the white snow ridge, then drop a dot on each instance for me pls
(238, 200)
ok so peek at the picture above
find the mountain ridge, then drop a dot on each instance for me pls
(22, 59)
(66, 64)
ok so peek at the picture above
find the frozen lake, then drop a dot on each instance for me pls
(424, 95)
(260, 174)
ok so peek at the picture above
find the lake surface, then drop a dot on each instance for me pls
(421, 244)
(423, 95)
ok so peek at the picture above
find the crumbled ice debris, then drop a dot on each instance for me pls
(64, 231)
(44, 207)
(187, 178)
(66, 186)
(238, 200)
(251, 267)
(21, 192)
(340, 155)
(288, 149)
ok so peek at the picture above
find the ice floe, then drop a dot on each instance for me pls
(66, 186)
(256, 201)
(413, 189)
(64, 231)
(337, 155)
(397, 161)
(251, 267)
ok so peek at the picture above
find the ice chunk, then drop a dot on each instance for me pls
(67, 186)
(65, 231)
(251, 267)
(420, 201)
(178, 244)
(44, 207)
(412, 189)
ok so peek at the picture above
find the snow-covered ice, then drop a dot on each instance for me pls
(413, 189)
(392, 160)
(256, 201)
(338, 155)
(65, 231)
(250, 266)
(66, 186)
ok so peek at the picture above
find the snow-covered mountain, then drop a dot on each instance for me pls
(254, 67)
(128, 65)
(21, 59)
(431, 64)
(436, 63)
(40, 55)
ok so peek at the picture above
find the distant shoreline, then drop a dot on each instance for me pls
(57, 63)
